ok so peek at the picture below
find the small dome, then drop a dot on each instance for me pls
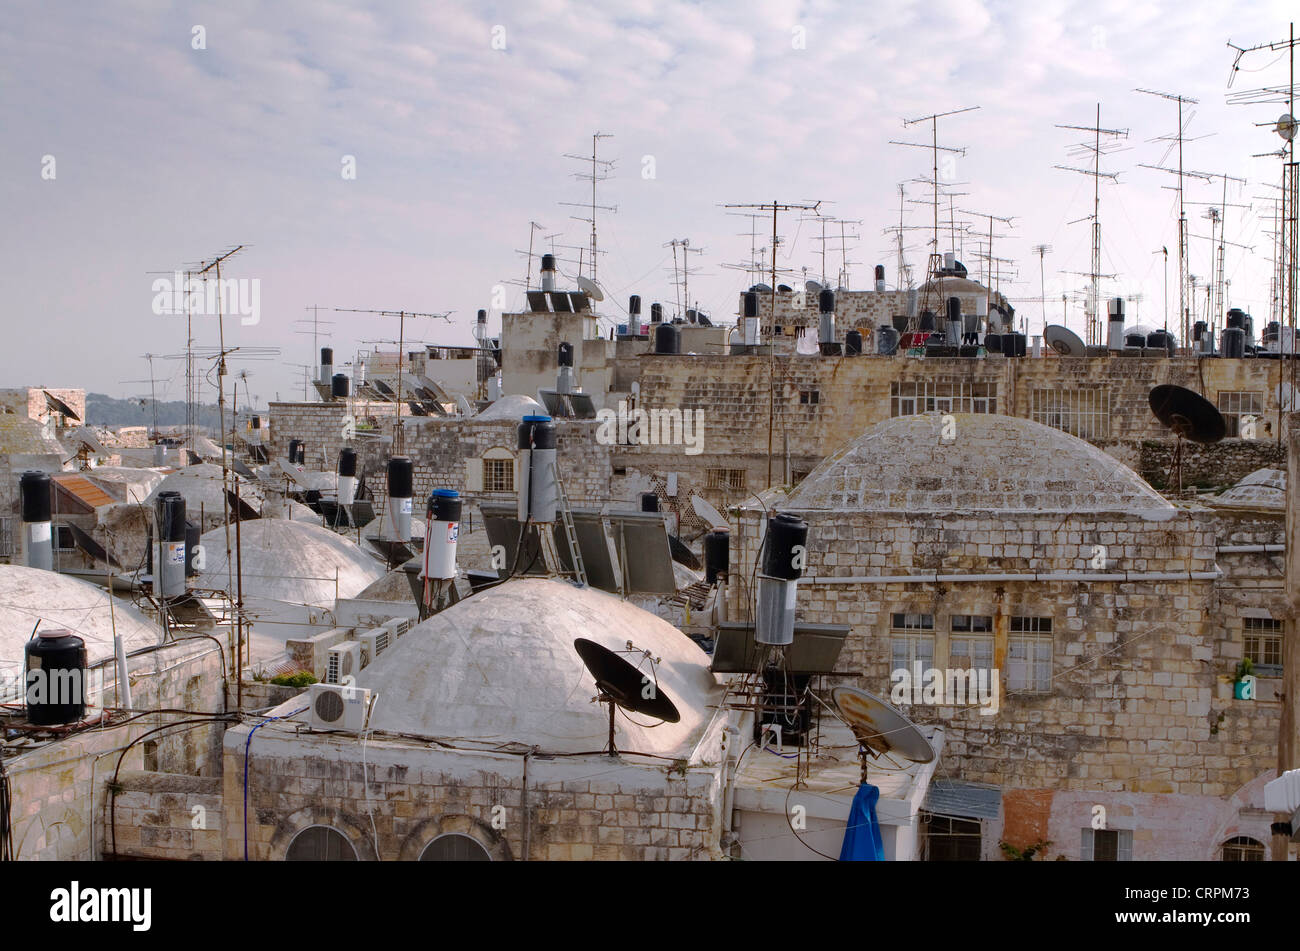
(515, 407)
(202, 485)
(1263, 488)
(501, 668)
(992, 464)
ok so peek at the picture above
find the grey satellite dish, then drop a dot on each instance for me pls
(708, 513)
(591, 288)
(1286, 126)
(879, 727)
(1065, 341)
(761, 288)
(812, 287)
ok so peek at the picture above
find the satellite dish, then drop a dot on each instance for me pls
(1065, 341)
(708, 513)
(1285, 126)
(879, 727)
(1187, 414)
(622, 685)
(812, 287)
(762, 288)
(591, 288)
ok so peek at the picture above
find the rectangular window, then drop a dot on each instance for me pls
(909, 643)
(1262, 643)
(809, 397)
(911, 398)
(729, 479)
(63, 540)
(498, 475)
(1029, 655)
(1238, 404)
(1106, 845)
(947, 839)
(1080, 411)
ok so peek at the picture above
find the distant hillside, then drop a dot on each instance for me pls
(104, 410)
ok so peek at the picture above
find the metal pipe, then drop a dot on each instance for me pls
(1116, 576)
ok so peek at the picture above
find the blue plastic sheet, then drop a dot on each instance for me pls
(862, 835)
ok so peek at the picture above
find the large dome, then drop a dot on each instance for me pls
(992, 464)
(501, 668)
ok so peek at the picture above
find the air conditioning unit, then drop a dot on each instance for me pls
(343, 660)
(337, 707)
(398, 625)
(373, 643)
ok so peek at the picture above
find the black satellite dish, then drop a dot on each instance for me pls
(622, 685)
(1188, 415)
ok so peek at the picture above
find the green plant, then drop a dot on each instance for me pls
(301, 679)
(1014, 854)
(1245, 668)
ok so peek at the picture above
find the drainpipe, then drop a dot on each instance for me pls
(1114, 576)
(1245, 549)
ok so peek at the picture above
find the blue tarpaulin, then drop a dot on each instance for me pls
(862, 835)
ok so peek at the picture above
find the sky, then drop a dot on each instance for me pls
(391, 155)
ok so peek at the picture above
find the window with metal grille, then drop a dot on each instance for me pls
(1242, 848)
(907, 644)
(1029, 655)
(731, 479)
(948, 839)
(1107, 845)
(498, 475)
(1261, 641)
(1235, 405)
(1080, 411)
(913, 397)
(320, 844)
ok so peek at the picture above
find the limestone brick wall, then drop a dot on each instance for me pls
(577, 808)
(164, 816)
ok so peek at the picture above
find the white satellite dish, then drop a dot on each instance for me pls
(708, 513)
(1065, 341)
(1286, 126)
(591, 288)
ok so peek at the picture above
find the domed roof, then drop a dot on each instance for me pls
(1263, 488)
(992, 464)
(28, 595)
(500, 667)
(202, 485)
(283, 560)
(516, 407)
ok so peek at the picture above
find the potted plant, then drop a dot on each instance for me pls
(1244, 688)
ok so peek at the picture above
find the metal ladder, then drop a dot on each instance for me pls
(570, 533)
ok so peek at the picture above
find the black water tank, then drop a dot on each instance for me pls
(566, 354)
(1199, 328)
(444, 506)
(326, 357)
(193, 538)
(1234, 342)
(171, 516)
(954, 309)
(339, 386)
(751, 304)
(293, 450)
(717, 554)
(537, 432)
(927, 322)
(348, 462)
(656, 313)
(886, 341)
(785, 532)
(668, 339)
(649, 502)
(59, 695)
(993, 343)
(1161, 340)
(634, 304)
(826, 302)
(34, 488)
(1134, 341)
(852, 343)
(1013, 344)
(401, 477)
(1237, 318)
(548, 262)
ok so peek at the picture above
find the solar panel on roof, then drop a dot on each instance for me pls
(560, 301)
(580, 302)
(537, 302)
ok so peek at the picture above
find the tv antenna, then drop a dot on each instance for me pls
(1096, 148)
(1042, 250)
(682, 284)
(600, 171)
(401, 315)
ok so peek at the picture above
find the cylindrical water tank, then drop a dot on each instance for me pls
(537, 490)
(442, 530)
(38, 541)
(347, 476)
(668, 339)
(911, 302)
(326, 364)
(634, 315)
(649, 502)
(339, 386)
(1161, 340)
(1237, 318)
(1134, 341)
(826, 317)
(565, 354)
(785, 548)
(928, 322)
(852, 343)
(717, 554)
(656, 313)
(401, 488)
(359, 374)
(886, 341)
(169, 573)
(1234, 342)
(1013, 344)
(785, 553)
(55, 664)
(548, 272)
(880, 279)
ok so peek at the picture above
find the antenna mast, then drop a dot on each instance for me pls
(600, 171)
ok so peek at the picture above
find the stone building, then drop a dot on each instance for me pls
(1003, 545)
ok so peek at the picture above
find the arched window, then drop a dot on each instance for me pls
(454, 847)
(320, 844)
(1242, 848)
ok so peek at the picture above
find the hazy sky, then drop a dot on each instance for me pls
(458, 117)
